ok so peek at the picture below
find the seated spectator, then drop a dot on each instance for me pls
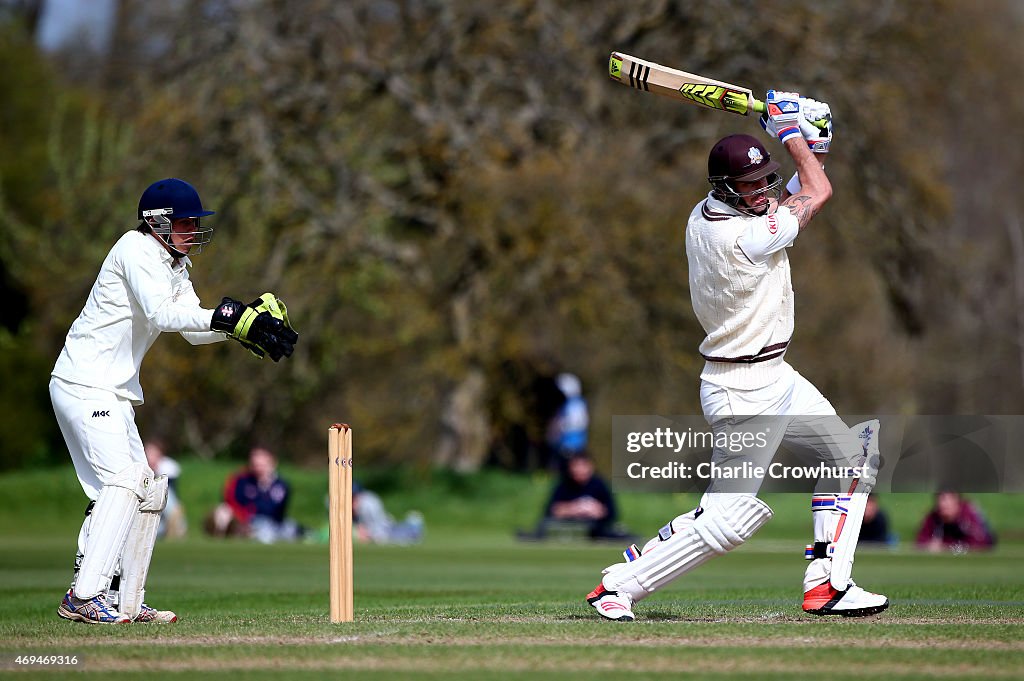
(582, 499)
(875, 526)
(172, 520)
(255, 503)
(954, 524)
(375, 525)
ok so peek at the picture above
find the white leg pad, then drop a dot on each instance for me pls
(678, 524)
(848, 527)
(83, 534)
(112, 519)
(135, 562)
(156, 495)
(729, 521)
(138, 551)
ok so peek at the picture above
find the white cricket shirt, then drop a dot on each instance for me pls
(139, 293)
(741, 291)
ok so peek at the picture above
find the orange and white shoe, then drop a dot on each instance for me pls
(824, 599)
(611, 605)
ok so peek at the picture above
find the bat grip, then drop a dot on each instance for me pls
(760, 108)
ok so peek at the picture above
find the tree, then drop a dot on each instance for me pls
(453, 197)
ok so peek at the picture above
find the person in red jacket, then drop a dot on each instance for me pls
(256, 502)
(954, 524)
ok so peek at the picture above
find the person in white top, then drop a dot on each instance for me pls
(142, 290)
(740, 288)
(173, 523)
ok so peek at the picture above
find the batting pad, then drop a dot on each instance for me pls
(730, 520)
(848, 527)
(112, 519)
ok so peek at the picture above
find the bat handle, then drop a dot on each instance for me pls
(760, 108)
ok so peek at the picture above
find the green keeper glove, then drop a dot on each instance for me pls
(260, 331)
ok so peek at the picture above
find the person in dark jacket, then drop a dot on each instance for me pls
(583, 498)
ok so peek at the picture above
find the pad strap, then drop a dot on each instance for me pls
(819, 549)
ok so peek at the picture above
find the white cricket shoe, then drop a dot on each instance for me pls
(611, 605)
(148, 614)
(853, 602)
(95, 610)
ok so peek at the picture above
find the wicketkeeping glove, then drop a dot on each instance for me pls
(268, 302)
(261, 331)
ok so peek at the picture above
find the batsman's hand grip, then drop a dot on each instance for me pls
(760, 108)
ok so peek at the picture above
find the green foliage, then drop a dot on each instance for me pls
(26, 422)
(453, 198)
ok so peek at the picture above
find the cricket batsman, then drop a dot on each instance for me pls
(142, 290)
(736, 248)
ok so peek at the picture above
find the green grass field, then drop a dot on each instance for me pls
(472, 603)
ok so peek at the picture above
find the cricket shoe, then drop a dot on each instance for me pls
(611, 605)
(95, 610)
(824, 599)
(148, 614)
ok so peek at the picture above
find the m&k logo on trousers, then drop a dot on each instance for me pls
(97, 414)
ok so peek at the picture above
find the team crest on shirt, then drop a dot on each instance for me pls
(773, 225)
(754, 154)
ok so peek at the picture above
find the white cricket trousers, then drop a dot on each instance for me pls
(790, 411)
(100, 432)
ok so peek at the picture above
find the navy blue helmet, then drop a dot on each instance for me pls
(169, 200)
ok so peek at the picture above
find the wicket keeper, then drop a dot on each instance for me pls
(142, 290)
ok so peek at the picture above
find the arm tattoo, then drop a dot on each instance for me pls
(802, 207)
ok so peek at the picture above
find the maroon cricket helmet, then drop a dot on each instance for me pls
(740, 158)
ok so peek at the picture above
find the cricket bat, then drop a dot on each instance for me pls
(685, 87)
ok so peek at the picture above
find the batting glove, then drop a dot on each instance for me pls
(783, 110)
(818, 139)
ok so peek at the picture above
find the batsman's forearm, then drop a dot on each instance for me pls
(813, 179)
(815, 188)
